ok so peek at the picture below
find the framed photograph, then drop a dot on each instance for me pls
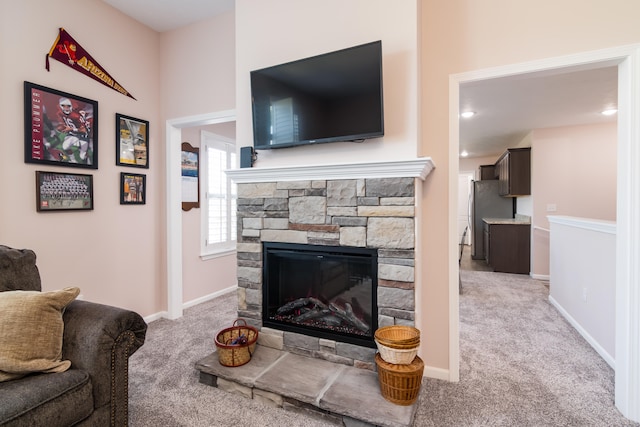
(133, 188)
(132, 141)
(60, 129)
(63, 192)
(190, 166)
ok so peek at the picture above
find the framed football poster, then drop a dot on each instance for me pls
(60, 128)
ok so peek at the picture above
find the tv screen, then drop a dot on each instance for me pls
(332, 97)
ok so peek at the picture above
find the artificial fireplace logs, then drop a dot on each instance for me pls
(313, 312)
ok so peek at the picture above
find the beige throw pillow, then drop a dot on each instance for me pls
(31, 328)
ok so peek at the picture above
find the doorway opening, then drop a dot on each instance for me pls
(627, 380)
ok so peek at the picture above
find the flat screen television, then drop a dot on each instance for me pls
(332, 97)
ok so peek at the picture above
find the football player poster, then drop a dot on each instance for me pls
(60, 128)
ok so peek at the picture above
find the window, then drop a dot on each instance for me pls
(219, 207)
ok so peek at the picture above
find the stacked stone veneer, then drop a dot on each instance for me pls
(373, 213)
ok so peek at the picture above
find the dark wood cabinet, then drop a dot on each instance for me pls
(513, 169)
(507, 247)
(487, 172)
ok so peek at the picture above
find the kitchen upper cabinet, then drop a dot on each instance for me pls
(513, 169)
(487, 172)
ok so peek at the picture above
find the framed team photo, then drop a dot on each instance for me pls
(133, 189)
(63, 192)
(132, 141)
(60, 128)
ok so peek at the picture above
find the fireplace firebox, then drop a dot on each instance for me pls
(322, 291)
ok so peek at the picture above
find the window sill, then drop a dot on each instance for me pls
(217, 253)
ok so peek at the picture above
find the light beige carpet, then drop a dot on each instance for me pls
(521, 364)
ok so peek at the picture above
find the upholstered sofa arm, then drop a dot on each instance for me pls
(99, 340)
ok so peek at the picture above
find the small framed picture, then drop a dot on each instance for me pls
(133, 188)
(132, 141)
(63, 192)
(60, 129)
(190, 167)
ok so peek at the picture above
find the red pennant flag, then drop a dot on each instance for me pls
(66, 50)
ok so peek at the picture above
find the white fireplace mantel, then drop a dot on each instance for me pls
(414, 168)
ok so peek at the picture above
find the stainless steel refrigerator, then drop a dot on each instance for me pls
(486, 202)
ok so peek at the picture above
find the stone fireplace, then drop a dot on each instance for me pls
(365, 206)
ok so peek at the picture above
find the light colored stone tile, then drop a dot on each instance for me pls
(242, 293)
(268, 398)
(249, 247)
(254, 298)
(235, 388)
(402, 273)
(256, 190)
(361, 188)
(342, 211)
(322, 235)
(276, 223)
(252, 223)
(298, 377)
(354, 386)
(341, 192)
(287, 236)
(327, 343)
(396, 298)
(250, 233)
(397, 201)
(353, 236)
(308, 210)
(391, 233)
(271, 340)
(391, 187)
(250, 274)
(387, 211)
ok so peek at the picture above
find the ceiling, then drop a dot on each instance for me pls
(165, 15)
(507, 108)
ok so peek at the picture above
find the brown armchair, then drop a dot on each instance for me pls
(98, 340)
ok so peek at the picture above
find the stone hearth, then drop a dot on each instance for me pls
(370, 205)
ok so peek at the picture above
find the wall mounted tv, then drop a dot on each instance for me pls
(332, 97)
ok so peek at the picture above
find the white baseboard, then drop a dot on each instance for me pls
(150, 318)
(437, 373)
(544, 277)
(188, 304)
(209, 297)
(596, 346)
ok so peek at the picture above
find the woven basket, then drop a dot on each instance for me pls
(398, 336)
(397, 356)
(230, 354)
(400, 384)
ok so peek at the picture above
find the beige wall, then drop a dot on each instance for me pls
(202, 278)
(198, 77)
(197, 68)
(573, 168)
(465, 35)
(116, 254)
(276, 31)
(473, 164)
(112, 253)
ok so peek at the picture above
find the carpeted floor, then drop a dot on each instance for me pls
(521, 364)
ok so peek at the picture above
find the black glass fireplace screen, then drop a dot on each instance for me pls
(323, 291)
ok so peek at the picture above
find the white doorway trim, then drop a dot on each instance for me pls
(627, 375)
(174, 202)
